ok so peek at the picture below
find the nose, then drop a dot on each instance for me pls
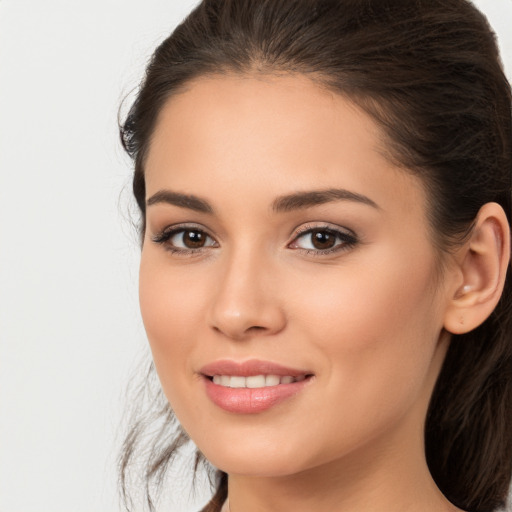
(246, 302)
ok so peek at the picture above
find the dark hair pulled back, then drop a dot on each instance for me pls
(429, 73)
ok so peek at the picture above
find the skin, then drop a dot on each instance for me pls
(367, 319)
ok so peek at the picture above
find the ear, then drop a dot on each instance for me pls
(482, 266)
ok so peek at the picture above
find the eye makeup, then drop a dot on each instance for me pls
(311, 239)
(323, 239)
(184, 239)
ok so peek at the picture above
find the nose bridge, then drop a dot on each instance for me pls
(246, 300)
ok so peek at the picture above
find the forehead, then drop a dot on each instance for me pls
(267, 135)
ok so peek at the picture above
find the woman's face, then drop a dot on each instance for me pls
(287, 257)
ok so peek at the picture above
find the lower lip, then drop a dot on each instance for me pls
(251, 400)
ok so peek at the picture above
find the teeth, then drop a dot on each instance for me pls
(272, 380)
(254, 381)
(237, 382)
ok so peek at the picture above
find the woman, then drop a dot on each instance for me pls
(325, 189)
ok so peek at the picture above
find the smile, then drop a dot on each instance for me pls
(253, 386)
(254, 381)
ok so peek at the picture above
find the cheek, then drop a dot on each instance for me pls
(375, 328)
(170, 308)
(387, 299)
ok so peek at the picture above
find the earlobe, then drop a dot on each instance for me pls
(482, 262)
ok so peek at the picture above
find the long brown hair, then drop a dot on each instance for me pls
(429, 73)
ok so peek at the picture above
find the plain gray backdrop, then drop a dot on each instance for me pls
(70, 330)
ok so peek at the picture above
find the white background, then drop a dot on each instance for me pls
(70, 331)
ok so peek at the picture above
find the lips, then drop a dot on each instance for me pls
(251, 386)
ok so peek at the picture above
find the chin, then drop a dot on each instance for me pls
(258, 460)
(259, 467)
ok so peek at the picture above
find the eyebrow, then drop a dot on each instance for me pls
(188, 201)
(287, 203)
(301, 200)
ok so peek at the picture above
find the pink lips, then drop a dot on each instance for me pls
(247, 400)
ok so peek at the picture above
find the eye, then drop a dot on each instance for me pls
(180, 239)
(323, 240)
(190, 239)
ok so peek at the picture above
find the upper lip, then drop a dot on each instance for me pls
(250, 367)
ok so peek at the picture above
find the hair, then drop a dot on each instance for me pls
(429, 73)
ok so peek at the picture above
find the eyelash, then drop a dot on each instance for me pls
(347, 239)
(165, 236)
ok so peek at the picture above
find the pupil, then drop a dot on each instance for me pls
(194, 239)
(323, 240)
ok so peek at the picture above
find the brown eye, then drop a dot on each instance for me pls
(321, 239)
(190, 239)
(193, 239)
(184, 239)
(324, 240)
